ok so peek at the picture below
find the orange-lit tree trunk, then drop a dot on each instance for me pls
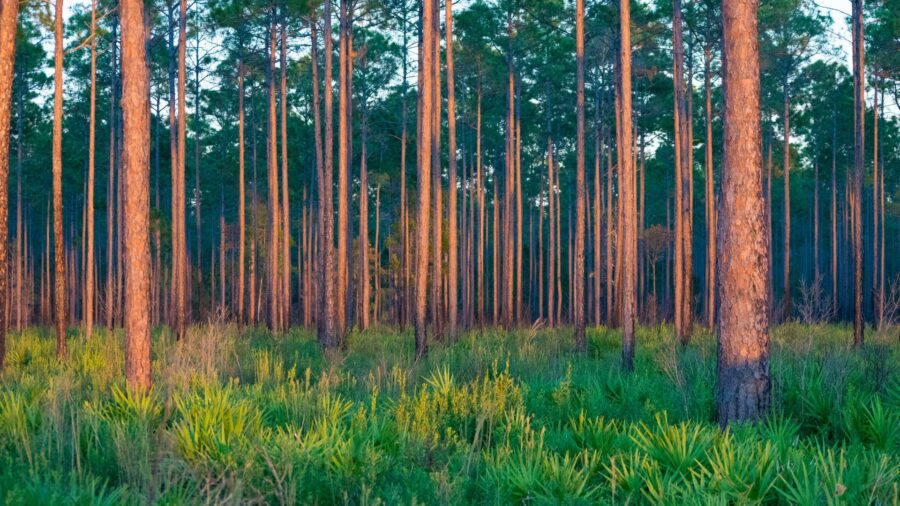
(552, 252)
(710, 196)
(89, 205)
(437, 273)
(285, 203)
(859, 129)
(343, 248)
(9, 14)
(424, 154)
(326, 312)
(683, 168)
(877, 302)
(452, 253)
(578, 278)
(273, 280)
(364, 304)
(627, 192)
(179, 253)
(58, 246)
(136, 170)
(742, 380)
(479, 183)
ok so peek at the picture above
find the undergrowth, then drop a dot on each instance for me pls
(239, 417)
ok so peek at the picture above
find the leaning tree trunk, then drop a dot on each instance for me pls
(136, 165)
(742, 379)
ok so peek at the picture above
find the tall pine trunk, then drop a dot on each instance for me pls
(58, 246)
(89, 205)
(452, 242)
(627, 192)
(285, 204)
(859, 116)
(9, 14)
(580, 190)
(136, 171)
(742, 380)
(425, 112)
(710, 196)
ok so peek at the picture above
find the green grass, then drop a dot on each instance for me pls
(494, 418)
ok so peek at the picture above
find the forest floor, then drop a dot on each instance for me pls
(497, 417)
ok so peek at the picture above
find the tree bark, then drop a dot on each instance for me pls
(437, 247)
(136, 165)
(710, 197)
(683, 268)
(580, 190)
(786, 288)
(242, 212)
(58, 246)
(452, 243)
(627, 192)
(89, 205)
(273, 281)
(343, 167)
(859, 109)
(426, 97)
(179, 254)
(742, 380)
(285, 203)
(9, 14)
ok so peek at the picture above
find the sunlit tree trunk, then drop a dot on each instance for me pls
(9, 14)
(437, 273)
(89, 205)
(710, 197)
(859, 115)
(875, 211)
(452, 243)
(179, 254)
(285, 204)
(136, 171)
(742, 380)
(683, 168)
(59, 247)
(344, 65)
(426, 97)
(580, 190)
(364, 282)
(404, 275)
(552, 251)
(273, 279)
(627, 192)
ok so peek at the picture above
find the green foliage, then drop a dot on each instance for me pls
(249, 418)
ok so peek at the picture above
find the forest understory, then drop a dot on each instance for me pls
(248, 417)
